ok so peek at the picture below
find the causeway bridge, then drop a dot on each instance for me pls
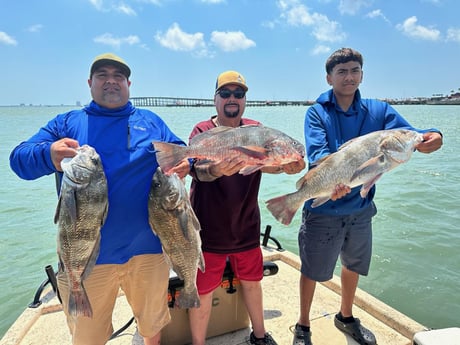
(203, 102)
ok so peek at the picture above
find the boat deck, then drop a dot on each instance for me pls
(46, 324)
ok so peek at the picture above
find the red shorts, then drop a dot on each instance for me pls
(247, 265)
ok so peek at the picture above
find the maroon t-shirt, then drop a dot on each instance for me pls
(227, 207)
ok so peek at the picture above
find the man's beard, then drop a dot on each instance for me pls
(232, 114)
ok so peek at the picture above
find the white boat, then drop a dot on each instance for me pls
(230, 325)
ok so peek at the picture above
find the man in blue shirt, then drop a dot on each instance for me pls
(130, 254)
(343, 225)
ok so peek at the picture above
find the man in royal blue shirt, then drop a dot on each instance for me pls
(130, 254)
(343, 225)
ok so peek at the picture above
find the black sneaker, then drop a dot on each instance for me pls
(301, 337)
(358, 332)
(266, 340)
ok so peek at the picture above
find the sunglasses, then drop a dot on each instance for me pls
(226, 93)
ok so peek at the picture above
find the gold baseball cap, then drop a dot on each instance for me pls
(231, 77)
(110, 59)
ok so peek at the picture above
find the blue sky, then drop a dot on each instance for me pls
(178, 47)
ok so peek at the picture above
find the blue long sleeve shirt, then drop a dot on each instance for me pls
(123, 138)
(327, 127)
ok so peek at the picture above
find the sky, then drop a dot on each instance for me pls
(176, 48)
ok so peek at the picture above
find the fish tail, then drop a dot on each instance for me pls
(79, 304)
(283, 208)
(168, 155)
(188, 298)
(201, 263)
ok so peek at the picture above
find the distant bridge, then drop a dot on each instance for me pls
(203, 102)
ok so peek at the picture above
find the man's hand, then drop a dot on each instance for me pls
(340, 191)
(289, 168)
(63, 148)
(181, 169)
(226, 167)
(432, 141)
(294, 167)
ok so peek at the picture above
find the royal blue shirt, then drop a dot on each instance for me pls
(327, 127)
(123, 139)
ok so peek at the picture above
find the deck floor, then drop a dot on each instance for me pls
(281, 308)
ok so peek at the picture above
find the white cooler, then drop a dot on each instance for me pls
(445, 336)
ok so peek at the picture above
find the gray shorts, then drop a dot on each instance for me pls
(322, 238)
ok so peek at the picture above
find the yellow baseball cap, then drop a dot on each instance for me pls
(231, 77)
(110, 59)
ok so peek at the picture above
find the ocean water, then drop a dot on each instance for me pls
(416, 253)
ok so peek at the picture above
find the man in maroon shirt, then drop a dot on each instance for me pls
(226, 205)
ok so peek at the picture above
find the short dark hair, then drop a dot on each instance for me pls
(343, 55)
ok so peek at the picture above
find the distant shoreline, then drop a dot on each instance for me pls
(206, 102)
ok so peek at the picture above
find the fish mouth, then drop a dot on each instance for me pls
(83, 170)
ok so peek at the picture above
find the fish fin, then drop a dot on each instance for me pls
(79, 304)
(195, 222)
(347, 143)
(69, 202)
(182, 218)
(92, 259)
(61, 266)
(319, 201)
(188, 298)
(168, 154)
(104, 213)
(203, 161)
(368, 185)
(71, 206)
(208, 134)
(58, 208)
(168, 261)
(249, 169)
(303, 180)
(368, 167)
(319, 161)
(201, 263)
(252, 151)
(251, 125)
(283, 208)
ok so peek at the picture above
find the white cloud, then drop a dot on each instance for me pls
(123, 8)
(35, 28)
(155, 2)
(116, 42)
(352, 7)
(453, 34)
(323, 29)
(326, 30)
(411, 29)
(97, 4)
(213, 1)
(320, 49)
(7, 39)
(176, 39)
(270, 24)
(111, 5)
(295, 13)
(377, 14)
(231, 41)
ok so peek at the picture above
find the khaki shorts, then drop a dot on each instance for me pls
(144, 280)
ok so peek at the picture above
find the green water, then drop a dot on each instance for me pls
(415, 265)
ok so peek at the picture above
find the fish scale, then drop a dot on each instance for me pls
(173, 220)
(256, 145)
(360, 161)
(80, 214)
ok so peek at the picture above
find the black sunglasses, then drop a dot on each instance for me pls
(226, 93)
